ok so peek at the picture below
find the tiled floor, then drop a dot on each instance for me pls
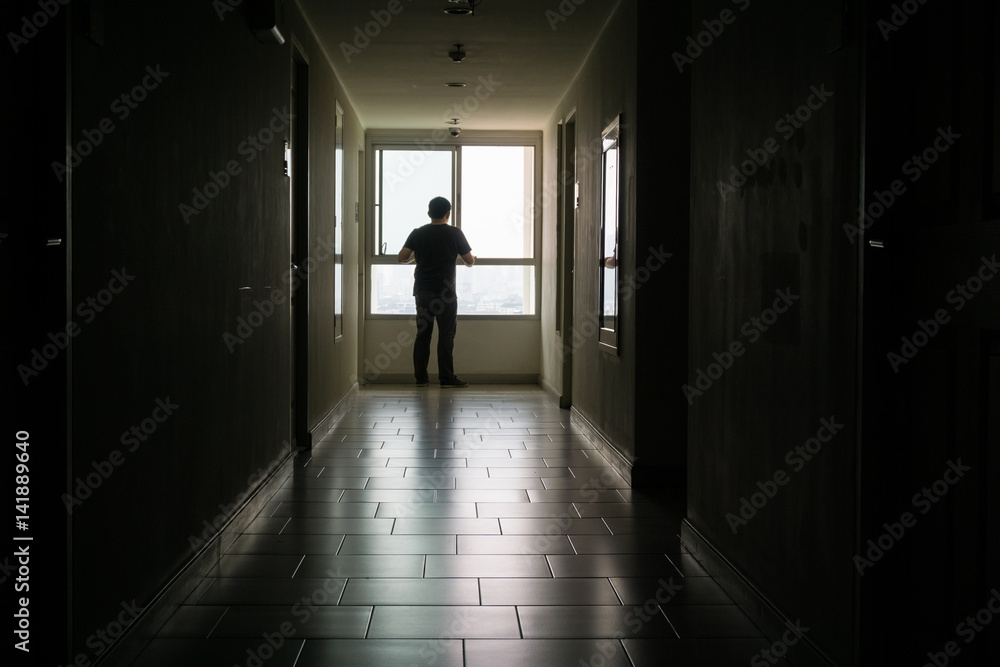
(469, 527)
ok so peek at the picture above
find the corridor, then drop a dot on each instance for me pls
(470, 527)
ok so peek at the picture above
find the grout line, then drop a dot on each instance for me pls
(575, 550)
(343, 590)
(517, 615)
(321, 471)
(284, 525)
(618, 595)
(302, 646)
(271, 515)
(217, 623)
(670, 624)
(371, 616)
(343, 541)
(298, 566)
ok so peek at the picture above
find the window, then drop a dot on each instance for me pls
(609, 250)
(338, 207)
(492, 188)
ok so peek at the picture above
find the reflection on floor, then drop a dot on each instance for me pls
(470, 527)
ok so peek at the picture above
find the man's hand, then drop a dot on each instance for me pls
(469, 258)
(406, 256)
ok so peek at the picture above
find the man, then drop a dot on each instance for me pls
(434, 247)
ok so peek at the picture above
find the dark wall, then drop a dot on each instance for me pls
(174, 333)
(933, 119)
(604, 384)
(659, 284)
(780, 230)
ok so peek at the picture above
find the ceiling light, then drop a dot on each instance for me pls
(468, 7)
(458, 55)
(455, 84)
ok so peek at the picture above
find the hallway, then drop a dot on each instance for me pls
(470, 527)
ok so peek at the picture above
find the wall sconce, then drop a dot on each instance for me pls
(263, 16)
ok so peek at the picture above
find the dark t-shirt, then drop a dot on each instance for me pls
(436, 247)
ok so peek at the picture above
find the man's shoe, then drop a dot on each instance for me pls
(422, 384)
(454, 383)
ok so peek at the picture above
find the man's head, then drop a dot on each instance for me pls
(438, 208)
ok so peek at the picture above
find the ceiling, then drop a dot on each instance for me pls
(517, 66)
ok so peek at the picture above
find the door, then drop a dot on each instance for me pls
(566, 224)
(931, 337)
(299, 243)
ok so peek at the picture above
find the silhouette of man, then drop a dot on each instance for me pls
(434, 248)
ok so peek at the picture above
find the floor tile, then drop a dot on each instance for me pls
(500, 483)
(547, 591)
(380, 653)
(411, 592)
(627, 510)
(487, 566)
(329, 510)
(302, 621)
(604, 621)
(381, 565)
(701, 652)
(286, 544)
(470, 622)
(167, 652)
(514, 544)
(612, 565)
(411, 483)
(581, 495)
(427, 510)
(398, 544)
(314, 526)
(548, 652)
(446, 527)
(509, 510)
(670, 590)
(257, 565)
(626, 544)
(472, 528)
(482, 496)
(262, 591)
(560, 526)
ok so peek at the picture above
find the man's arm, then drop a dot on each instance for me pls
(406, 256)
(468, 258)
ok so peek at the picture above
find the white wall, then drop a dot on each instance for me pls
(493, 347)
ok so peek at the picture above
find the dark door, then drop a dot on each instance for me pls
(299, 237)
(931, 332)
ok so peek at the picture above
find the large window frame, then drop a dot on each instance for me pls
(433, 141)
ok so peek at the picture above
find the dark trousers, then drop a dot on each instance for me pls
(443, 308)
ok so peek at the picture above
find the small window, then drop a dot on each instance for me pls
(609, 250)
(492, 191)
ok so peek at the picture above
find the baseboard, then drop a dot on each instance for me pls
(559, 398)
(618, 461)
(473, 379)
(766, 615)
(140, 632)
(329, 422)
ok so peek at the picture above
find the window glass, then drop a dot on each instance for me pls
(497, 200)
(410, 179)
